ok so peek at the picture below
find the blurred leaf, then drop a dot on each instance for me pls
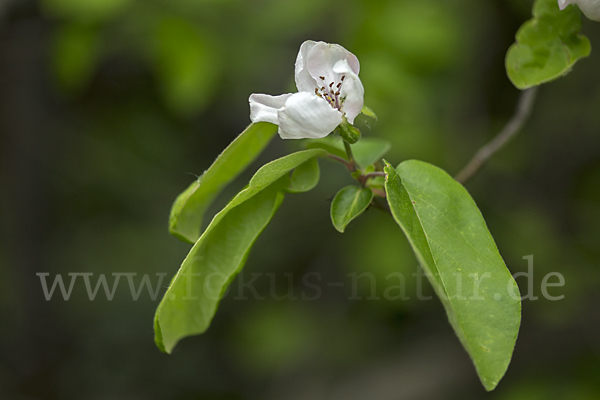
(76, 52)
(195, 6)
(427, 34)
(453, 245)
(369, 113)
(547, 46)
(275, 336)
(366, 151)
(189, 305)
(330, 144)
(85, 10)
(284, 18)
(348, 204)
(305, 177)
(393, 87)
(186, 65)
(189, 207)
(370, 150)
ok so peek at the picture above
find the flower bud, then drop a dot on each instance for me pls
(348, 132)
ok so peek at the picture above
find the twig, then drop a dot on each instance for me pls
(513, 126)
(362, 179)
(341, 160)
(374, 174)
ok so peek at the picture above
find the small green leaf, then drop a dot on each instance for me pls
(547, 46)
(305, 177)
(189, 207)
(348, 204)
(191, 300)
(366, 151)
(377, 181)
(368, 112)
(453, 245)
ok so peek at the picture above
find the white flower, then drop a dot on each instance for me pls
(591, 8)
(328, 89)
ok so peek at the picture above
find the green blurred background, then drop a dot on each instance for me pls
(108, 108)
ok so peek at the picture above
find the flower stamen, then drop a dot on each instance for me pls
(330, 93)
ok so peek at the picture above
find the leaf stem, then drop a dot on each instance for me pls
(514, 125)
(350, 156)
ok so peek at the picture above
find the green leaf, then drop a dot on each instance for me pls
(547, 46)
(191, 300)
(369, 113)
(274, 170)
(348, 204)
(366, 151)
(453, 245)
(189, 207)
(305, 177)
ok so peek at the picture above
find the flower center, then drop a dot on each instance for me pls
(331, 92)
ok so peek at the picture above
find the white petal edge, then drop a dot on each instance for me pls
(323, 56)
(352, 89)
(264, 107)
(307, 116)
(590, 8)
(562, 4)
(304, 81)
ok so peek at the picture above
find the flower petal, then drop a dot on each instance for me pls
(562, 4)
(352, 90)
(263, 107)
(589, 8)
(304, 81)
(306, 115)
(323, 56)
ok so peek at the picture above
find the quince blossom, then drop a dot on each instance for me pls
(591, 8)
(329, 90)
